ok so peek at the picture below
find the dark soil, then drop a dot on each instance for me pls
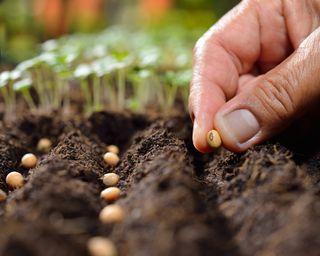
(177, 202)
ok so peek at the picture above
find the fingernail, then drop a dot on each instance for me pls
(199, 138)
(240, 125)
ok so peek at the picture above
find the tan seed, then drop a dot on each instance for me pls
(113, 149)
(111, 214)
(110, 179)
(111, 194)
(3, 195)
(214, 139)
(15, 180)
(111, 159)
(44, 145)
(29, 161)
(100, 246)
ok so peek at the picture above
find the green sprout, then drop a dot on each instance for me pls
(23, 86)
(123, 60)
(174, 81)
(152, 69)
(61, 73)
(82, 72)
(4, 80)
(142, 82)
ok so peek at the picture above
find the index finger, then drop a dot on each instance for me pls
(229, 49)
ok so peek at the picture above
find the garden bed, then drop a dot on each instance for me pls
(177, 201)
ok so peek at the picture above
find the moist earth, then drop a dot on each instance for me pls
(177, 201)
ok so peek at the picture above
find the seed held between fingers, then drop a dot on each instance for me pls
(111, 194)
(111, 159)
(110, 179)
(15, 180)
(214, 139)
(44, 145)
(111, 214)
(113, 149)
(100, 246)
(3, 195)
(29, 161)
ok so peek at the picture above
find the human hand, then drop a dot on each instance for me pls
(256, 71)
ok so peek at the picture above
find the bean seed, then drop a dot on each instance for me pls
(111, 194)
(111, 159)
(29, 161)
(214, 139)
(111, 214)
(3, 195)
(113, 149)
(110, 179)
(15, 180)
(44, 145)
(100, 246)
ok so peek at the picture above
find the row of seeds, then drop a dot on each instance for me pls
(15, 179)
(112, 213)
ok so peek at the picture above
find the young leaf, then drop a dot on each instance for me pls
(22, 85)
(50, 45)
(15, 74)
(83, 71)
(4, 78)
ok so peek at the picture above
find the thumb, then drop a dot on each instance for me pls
(269, 105)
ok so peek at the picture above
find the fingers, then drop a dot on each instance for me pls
(218, 59)
(274, 100)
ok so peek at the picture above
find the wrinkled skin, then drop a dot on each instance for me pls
(263, 56)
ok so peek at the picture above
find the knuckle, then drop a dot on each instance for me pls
(201, 46)
(276, 96)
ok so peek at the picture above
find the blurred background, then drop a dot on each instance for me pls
(24, 24)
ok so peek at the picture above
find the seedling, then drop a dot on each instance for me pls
(3, 195)
(4, 79)
(24, 87)
(29, 161)
(214, 139)
(44, 145)
(111, 159)
(101, 246)
(15, 180)
(110, 194)
(144, 89)
(110, 179)
(112, 214)
(112, 72)
(113, 149)
(82, 72)
(103, 82)
(9, 97)
(121, 69)
(176, 80)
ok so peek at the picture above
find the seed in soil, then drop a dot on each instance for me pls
(111, 194)
(44, 145)
(3, 195)
(15, 180)
(111, 214)
(110, 179)
(29, 161)
(101, 246)
(214, 139)
(113, 149)
(111, 159)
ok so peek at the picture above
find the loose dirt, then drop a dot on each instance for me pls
(177, 201)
